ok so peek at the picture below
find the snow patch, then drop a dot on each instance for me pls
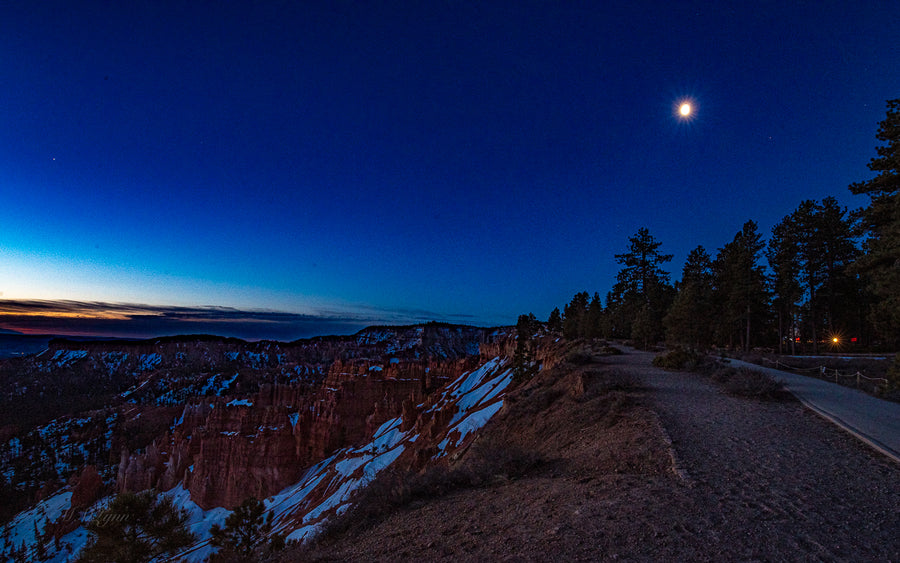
(239, 403)
(199, 523)
(149, 361)
(64, 358)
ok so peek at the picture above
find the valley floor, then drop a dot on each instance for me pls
(644, 464)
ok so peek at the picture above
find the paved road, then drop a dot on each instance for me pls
(870, 419)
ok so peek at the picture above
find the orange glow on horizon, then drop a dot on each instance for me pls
(69, 315)
(71, 310)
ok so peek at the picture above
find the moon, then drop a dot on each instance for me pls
(684, 109)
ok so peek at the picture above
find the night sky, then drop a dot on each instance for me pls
(277, 170)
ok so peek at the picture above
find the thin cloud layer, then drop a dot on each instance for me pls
(80, 318)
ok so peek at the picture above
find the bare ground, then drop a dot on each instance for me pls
(741, 480)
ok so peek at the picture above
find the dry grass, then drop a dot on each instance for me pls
(566, 425)
(746, 382)
(488, 462)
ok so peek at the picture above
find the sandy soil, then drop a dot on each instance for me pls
(740, 480)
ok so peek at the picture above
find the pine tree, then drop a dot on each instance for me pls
(816, 241)
(783, 255)
(640, 283)
(136, 528)
(840, 293)
(40, 545)
(5, 536)
(645, 328)
(20, 555)
(809, 251)
(881, 222)
(593, 320)
(554, 323)
(573, 318)
(614, 322)
(642, 274)
(688, 320)
(740, 289)
(523, 358)
(246, 533)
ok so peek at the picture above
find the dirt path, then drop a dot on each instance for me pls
(773, 481)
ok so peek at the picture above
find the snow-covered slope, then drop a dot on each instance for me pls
(442, 425)
(327, 489)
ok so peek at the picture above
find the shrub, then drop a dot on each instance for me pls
(722, 374)
(580, 356)
(678, 359)
(533, 401)
(745, 382)
(585, 352)
(600, 381)
(490, 460)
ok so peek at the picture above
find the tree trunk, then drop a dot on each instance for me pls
(780, 335)
(747, 342)
(815, 342)
(793, 337)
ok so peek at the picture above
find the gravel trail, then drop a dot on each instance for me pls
(771, 480)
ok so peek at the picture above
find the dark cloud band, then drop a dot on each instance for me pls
(146, 321)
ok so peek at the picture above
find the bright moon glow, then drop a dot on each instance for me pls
(684, 109)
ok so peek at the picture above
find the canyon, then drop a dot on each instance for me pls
(218, 420)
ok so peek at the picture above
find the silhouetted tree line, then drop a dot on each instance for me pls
(825, 273)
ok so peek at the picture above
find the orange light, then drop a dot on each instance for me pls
(835, 339)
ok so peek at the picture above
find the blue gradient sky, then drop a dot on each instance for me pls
(413, 160)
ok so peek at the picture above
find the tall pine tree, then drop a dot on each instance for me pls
(840, 294)
(740, 292)
(783, 256)
(881, 222)
(574, 315)
(593, 320)
(689, 318)
(554, 322)
(523, 358)
(815, 244)
(642, 290)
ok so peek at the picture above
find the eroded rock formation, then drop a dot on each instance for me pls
(230, 447)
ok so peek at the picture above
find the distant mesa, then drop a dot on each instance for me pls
(7, 331)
